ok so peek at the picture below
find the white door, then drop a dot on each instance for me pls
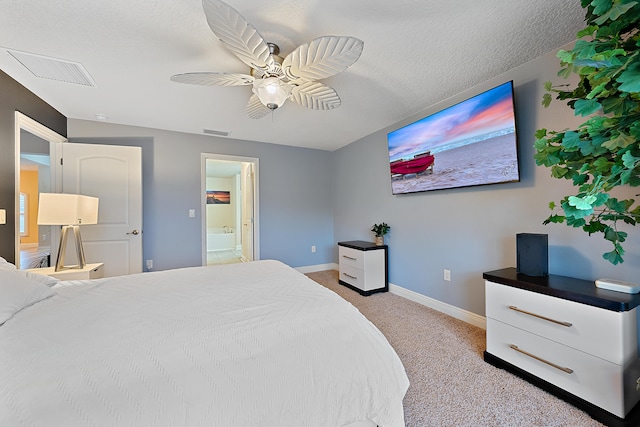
(247, 178)
(114, 175)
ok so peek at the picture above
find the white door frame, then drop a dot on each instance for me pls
(27, 123)
(203, 203)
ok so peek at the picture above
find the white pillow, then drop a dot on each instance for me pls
(40, 278)
(17, 291)
(6, 265)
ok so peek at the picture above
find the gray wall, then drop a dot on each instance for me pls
(15, 97)
(311, 197)
(294, 193)
(471, 230)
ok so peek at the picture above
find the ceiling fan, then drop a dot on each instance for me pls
(275, 79)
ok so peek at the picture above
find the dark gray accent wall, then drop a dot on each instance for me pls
(15, 97)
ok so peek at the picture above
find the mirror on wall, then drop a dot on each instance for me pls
(35, 178)
(34, 148)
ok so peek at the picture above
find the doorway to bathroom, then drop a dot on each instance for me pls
(230, 209)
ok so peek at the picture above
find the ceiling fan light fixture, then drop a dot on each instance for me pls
(275, 79)
(272, 91)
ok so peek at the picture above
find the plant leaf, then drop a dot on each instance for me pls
(614, 13)
(586, 107)
(629, 160)
(541, 133)
(556, 219)
(571, 139)
(582, 203)
(614, 236)
(630, 79)
(600, 6)
(613, 257)
(564, 56)
(620, 141)
(594, 227)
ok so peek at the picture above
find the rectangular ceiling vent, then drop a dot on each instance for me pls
(53, 68)
(216, 132)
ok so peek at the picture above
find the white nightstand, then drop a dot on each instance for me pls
(90, 271)
(363, 266)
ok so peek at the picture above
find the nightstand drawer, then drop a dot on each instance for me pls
(579, 373)
(351, 257)
(352, 276)
(590, 329)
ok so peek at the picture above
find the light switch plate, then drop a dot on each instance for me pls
(3, 216)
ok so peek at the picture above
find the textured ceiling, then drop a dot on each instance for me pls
(416, 53)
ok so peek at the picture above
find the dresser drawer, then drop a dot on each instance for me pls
(607, 334)
(588, 377)
(351, 257)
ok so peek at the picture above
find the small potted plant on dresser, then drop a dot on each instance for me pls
(380, 230)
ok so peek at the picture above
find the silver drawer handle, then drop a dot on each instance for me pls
(348, 257)
(567, 370)
(350, 276)
(559, 322)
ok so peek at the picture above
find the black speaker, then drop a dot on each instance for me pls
(533, 254)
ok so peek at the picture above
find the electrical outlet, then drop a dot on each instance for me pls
(313, 249)
(192, 213)
(447, 275)
(149, 264)
(3, 216)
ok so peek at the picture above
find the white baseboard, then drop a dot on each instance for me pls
(451, 310)
(319, 267)
(448, 309)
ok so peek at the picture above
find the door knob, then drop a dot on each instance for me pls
(134, 232)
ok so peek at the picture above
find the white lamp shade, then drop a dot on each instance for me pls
(67, 209)
(272, 91)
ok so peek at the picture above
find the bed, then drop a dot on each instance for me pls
(252, 344)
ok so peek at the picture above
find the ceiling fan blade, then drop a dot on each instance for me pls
(323, 57)
(213, 79)
(315, 95)
(237, 34)
(256, 109)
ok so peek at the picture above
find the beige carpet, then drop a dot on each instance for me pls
(451, 385)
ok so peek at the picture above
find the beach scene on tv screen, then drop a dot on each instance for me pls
(471, 143)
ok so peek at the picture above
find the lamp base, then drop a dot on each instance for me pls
(62, 248)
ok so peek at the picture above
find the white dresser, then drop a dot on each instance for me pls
(567, 336)
(363, 266)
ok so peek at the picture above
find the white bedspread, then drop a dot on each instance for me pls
(255, 344)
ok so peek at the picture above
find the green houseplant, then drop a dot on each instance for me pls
(380, 230)
(604, 151)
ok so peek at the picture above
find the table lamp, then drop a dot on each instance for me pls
(70, 211)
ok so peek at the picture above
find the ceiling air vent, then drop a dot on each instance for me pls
(53, 69)
(216, 132)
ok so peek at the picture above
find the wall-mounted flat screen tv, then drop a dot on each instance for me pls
(470, 143)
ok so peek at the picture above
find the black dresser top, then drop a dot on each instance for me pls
(569, 288)
(361, 245)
